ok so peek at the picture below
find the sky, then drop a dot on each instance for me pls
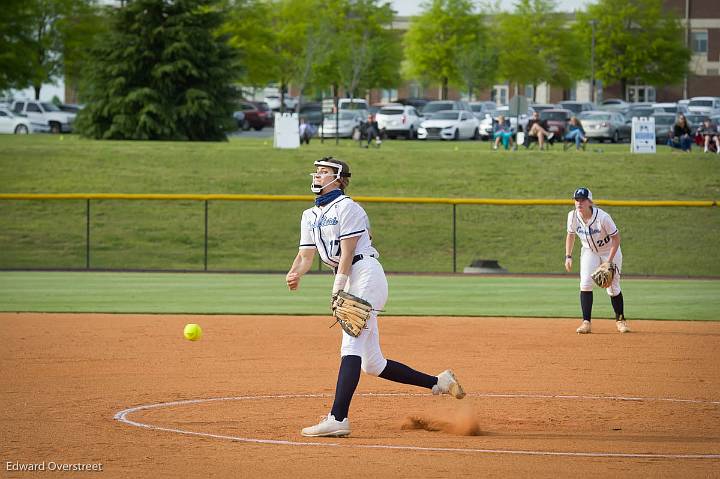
(403, 7)
(412, 7)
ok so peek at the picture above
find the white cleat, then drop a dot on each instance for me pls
(622, 326)
(584, 328)
(448, 384)
(328, 427)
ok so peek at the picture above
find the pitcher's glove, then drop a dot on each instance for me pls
(351, 312)
(604, 274)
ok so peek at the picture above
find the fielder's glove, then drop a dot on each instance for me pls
(604, 274)
(351, 312)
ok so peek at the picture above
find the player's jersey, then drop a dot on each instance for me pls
(325, 228)
(595, 234)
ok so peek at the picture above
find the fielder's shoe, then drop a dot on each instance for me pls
(622, 325)
(551, 136)
(328, 427)
(448, 384)
(584, 328)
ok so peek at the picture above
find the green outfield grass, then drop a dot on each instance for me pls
(263, 236)
(409, 295)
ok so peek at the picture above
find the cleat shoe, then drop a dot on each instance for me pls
(584, 328)
(551, 136)
(448, 384)
(328, 427)
(622, 326)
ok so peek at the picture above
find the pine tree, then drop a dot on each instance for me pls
(161, 73)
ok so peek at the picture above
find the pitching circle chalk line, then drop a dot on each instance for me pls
(122, 416)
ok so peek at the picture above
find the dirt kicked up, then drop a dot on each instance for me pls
(129, 395)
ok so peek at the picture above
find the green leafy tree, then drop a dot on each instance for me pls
(435, 38)
(635, 40)
(477, 58)
(16, 53)
(536, 46)
(161, 73)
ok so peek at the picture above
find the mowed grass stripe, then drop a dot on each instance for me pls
(409, 295)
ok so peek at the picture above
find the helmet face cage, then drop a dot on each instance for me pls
(329, 162)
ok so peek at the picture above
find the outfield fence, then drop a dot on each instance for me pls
(24, 228)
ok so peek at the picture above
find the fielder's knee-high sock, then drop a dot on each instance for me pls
(400, 373)
(348, 378)
(586, 301)
(618, 305)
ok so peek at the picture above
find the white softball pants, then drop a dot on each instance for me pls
(589, 261)
(367, 280)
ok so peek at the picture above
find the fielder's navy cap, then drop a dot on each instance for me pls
(582, 193)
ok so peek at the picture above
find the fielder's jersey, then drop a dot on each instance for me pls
(324, 228)
(595, 234)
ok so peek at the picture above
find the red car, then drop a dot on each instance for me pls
(557, 120)
(257, 115)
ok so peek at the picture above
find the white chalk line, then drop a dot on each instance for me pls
(122, 416)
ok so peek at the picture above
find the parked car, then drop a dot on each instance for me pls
(707, 105)
(605, 125)
(486, 124)
(538, 107)
(418, 103)
(13, 124)
(639, 110)
(273, 102)
(256, 115)
(663, 124)
(479, 108)
(557, 120)
(312, 112)
(352, 104)
(433, 107)
(614, 104)
(71, 107)
(399, 120)
(695, 119)
(523, 119)
(45, 113)
(450, 125)
(576, 107)
(670, 108)
(347, 122)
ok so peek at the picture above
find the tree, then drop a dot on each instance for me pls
(15, 45)
(435, 37)
(635, 41)
(536, 46)
(477, 58)
(161, 73)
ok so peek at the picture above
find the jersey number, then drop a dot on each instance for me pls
(603, 241)
(334, 247)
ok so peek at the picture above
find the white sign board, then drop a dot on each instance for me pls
(287, 131)
(643, 135)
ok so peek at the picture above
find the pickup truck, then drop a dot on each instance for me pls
(45, 113)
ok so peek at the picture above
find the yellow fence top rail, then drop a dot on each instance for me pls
(365, 199)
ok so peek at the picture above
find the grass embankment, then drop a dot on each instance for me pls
(263, 236)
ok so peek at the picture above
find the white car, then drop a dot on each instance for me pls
(704, 105)
(523, 119)
(347, 122)
(10, 123)
(45, 113)
(273, 101)
(670, 108)
(450, 125)
(399, 120)
(352, 104)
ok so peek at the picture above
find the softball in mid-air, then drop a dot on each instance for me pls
(192, 332)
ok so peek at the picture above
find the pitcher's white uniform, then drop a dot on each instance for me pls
(323, 228)
(595, 239)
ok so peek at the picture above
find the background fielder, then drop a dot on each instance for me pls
(339, 230)
(600, 241)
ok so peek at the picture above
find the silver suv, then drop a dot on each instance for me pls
(45, 113)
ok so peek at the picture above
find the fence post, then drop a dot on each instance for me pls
(87, 233)
(454, 234)
(206, 234)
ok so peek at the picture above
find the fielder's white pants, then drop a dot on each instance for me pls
(589, 261)
(367, 280)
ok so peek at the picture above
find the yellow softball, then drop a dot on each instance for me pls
(192, 332)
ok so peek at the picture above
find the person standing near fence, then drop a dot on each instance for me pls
(339, 230)
(600, 241)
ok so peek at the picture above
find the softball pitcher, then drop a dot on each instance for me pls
(600, 241)
(339, 230)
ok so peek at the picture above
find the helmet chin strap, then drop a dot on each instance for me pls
(317, 189)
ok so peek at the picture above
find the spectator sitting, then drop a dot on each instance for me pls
(538, 128)
(709, 135)
(576, 133)
(502, 131)
(306, 131)
(680, 135)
